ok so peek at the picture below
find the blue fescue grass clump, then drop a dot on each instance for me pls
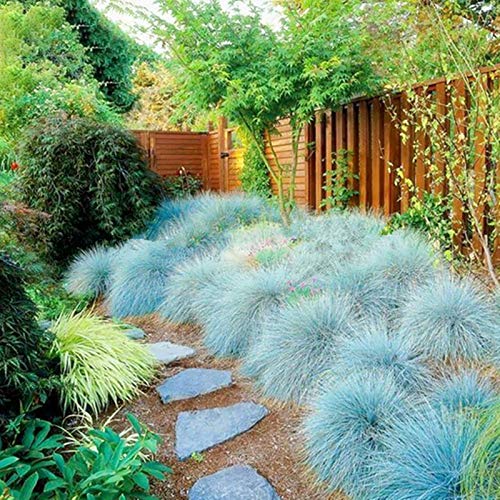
(298, 345)
(214, 217)
(139, 280)
(451, 319)
(466, 389)
(188, 284)
(347, 425)
(235, 318)
(397, 263)
(167, 213)
(374, 349)
(90, 272)
(425, 457)
(351, 229)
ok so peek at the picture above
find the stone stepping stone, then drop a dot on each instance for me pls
(135, 333)
(239, 482)
(166, 352)
(199, 430)
(45, 324)
(193, 382)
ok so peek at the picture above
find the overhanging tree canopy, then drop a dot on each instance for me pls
(234, 63)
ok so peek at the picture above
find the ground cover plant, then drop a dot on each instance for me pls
(370, 332)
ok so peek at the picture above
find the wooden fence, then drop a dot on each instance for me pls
(367, 128)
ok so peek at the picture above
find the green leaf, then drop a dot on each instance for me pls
(29, 486)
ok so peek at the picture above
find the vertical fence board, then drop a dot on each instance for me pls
(364, 155)
(377, 146)
(406, 153)
(353, 152)
(328, 154)
(319, 160)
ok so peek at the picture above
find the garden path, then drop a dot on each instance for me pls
(270, 442)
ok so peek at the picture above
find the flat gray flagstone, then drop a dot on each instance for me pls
(193, 382)
(239, 482)
(166, 352)
(135, 333)
(199, 430)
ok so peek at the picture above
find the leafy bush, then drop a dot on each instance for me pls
(110, 51)
(347, 426)
(482, 475)
(139, 279)
(182, 185)
(90, 178)
(451, 319)
(298, 345)
(463, 390)
(429, 215)
(26, 374)
(106, 466)
(426, 455)
(254, 175)
(90, 272)
(374, 349)
(99, 364)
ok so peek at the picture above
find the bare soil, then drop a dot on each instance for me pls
(274, 447)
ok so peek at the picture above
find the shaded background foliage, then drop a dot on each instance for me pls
(90, 178)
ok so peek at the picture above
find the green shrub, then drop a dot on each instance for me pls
(26, 375)
(182, 185)
(90, 179)
(254, 176)
(106, 465)
(429, 215)
(99, 363)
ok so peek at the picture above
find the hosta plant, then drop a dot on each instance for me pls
(99, 364)
(107, 466)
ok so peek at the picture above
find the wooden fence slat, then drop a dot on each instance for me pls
(328, 155)
(319, 159)
(376, 153)
(461, 131)
(364, 155)
(406, 153)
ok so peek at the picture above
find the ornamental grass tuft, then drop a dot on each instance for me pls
(396, 264)
(464, 390)
(90, 272)
(347, 426)
(482, 475)
(451, 319)
(425, 457)
(298, 345)
(140, 277)
(99, 364)
(373, 348)
(235, 319)
(188, 284)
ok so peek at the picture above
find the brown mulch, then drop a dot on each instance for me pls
(273, 447)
